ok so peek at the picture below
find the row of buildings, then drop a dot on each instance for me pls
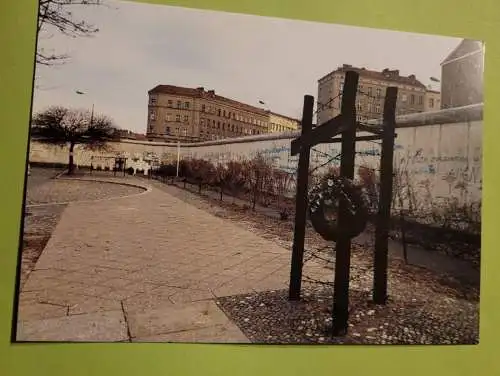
(196, 114)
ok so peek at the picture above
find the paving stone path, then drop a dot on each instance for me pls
(144, 268)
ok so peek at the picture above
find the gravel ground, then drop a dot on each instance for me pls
(424, 308)
(270, 318)
(66, 190)
(39, 222)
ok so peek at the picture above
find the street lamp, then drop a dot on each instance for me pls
(79, 92)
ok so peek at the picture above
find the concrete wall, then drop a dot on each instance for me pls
(438, 155)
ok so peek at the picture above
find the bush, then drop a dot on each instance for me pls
(237, 177)
(200, 172)
(167, 170)
(369, 182)
(259, 171)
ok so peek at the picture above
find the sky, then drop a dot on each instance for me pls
(243, 57)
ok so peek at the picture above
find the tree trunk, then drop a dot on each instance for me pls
(71, 165)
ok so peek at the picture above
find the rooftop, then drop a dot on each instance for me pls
(464, 48)
(284, 116)
(384, 75)
(200, 92)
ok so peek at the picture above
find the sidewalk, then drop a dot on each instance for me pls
(144, 268)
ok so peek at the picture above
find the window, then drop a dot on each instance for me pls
(404, 97)
(202, 121)
(186, 118)
(184, 132)
(170, 103)
(203, 108)
(168, 117)
(167, 130)
(152, 100)
(379, 92)
(186, 105)
(412, 99)
(224, 114)
(369, 91)
(219, 112)
(179, 103)
(420, 99)
(177, 118)
(223, 126)
(218, 125)
(359, 107)
(377, 109)
(431, 102)
(152, 115)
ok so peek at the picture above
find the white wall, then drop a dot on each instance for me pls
(442, 152)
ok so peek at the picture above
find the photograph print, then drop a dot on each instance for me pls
(209, 177)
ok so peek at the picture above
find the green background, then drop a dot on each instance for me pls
(462, 18)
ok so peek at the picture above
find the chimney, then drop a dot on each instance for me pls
(211, 92)
(412, 77)
(201, 88)
(346, 66)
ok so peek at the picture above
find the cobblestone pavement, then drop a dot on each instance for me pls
(144, 268)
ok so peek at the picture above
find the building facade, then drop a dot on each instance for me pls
(462, 75)
(432, 101)
(195, 114)
(281, 123)
(372, 86)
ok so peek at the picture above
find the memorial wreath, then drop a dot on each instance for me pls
(323, 207)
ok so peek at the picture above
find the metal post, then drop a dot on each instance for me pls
(301, 203)
(178, 157)
(343, 245)
(385, 198)
(92, 115)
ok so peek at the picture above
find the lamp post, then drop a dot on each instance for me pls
(79, 92)
(266, 108)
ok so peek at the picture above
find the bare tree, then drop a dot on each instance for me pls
(64, 127)
(59, 15)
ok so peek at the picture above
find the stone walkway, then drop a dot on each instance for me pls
(145, 268)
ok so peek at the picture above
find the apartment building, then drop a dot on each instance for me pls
(281, 123)
(195, 114)
(432, 101)
(372, 86)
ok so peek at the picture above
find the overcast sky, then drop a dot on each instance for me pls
(247, 58)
